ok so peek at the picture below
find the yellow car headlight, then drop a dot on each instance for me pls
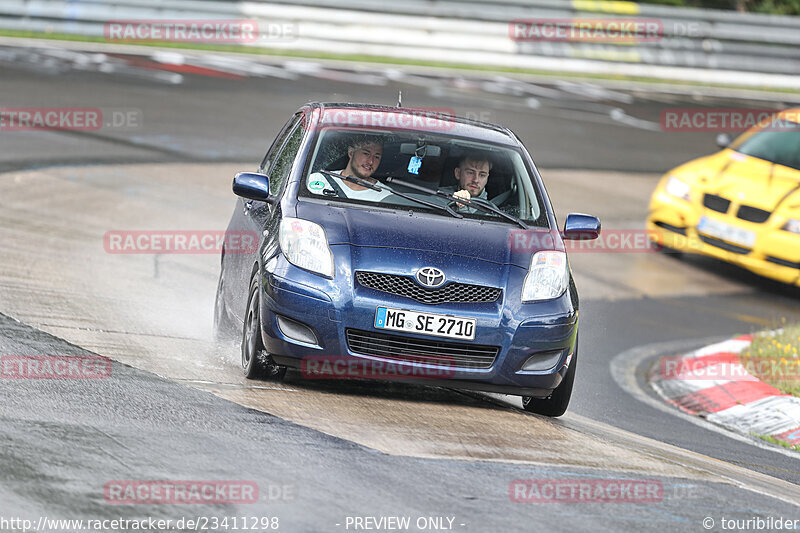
(792, 225)
(678, 188)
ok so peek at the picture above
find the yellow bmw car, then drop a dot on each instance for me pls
(740, 205)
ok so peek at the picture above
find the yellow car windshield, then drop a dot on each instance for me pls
(780, 146)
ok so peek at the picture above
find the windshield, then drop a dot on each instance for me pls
(409, 167)
(781, 147)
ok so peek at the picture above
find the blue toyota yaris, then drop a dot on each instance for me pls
(397, 243)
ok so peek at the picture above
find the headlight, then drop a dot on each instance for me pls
(677, 188)
(548, 276)
(305, 245)
(792, 225)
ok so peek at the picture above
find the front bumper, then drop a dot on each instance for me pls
(545, 330)
(776, 254)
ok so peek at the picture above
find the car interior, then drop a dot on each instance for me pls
(440, 156)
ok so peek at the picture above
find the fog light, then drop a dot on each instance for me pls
(542, 360)
(296, 331)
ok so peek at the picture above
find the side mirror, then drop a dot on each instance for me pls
(580, 227)
(252, 185)
(724, 140)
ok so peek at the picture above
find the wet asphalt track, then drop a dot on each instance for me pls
(65, 442)
(62, 442)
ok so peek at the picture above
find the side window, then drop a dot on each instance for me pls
(273, 150)
(282, 166)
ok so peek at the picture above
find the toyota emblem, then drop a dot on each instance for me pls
(430, 277)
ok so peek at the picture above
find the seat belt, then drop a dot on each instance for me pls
(335, 186)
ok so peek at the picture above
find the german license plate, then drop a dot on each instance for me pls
(726, 232)
(451, 327)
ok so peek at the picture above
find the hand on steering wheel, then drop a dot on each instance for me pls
(463, 193)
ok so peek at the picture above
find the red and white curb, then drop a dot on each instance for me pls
(712, 383)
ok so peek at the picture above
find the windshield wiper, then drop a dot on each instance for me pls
(380, 186)
(480, 203)
(489, 206)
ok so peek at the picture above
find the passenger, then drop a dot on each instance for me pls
(472, 174)
(364, 155)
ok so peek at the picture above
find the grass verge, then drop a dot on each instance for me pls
(773, 440)
(774, 357)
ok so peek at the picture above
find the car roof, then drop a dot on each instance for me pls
(378, 115)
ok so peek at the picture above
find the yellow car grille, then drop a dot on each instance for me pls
(749, 213)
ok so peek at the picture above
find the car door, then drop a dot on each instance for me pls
(254, 218)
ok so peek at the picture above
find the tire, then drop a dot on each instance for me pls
(224, 328)
(556, 404)
(256, 362)
(672, 253)
(666, 250)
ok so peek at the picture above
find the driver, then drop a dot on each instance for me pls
(472, 174)
(364, 155)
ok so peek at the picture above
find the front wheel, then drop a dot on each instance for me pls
(556, 404)
(256, 362)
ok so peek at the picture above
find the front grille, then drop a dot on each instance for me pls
(409, 349)
(719, 243)
(783, 262)
(752, 214)
(716, 203)
(670, 227)
(408, 287)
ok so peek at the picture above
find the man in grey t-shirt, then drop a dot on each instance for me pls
(472, 174)
(364, 158)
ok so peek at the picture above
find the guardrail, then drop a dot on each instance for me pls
(693, 44)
